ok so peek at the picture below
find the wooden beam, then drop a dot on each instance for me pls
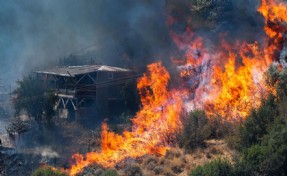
(94, 81)
(58, 103)
(63, 103)
(75, 108)
(80, 102)
(81, 79)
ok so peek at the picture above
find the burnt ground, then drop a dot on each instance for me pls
(40, 146)
(15, 164)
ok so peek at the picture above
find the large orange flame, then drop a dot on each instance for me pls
(153, 125)
(275, 15)
(231, 90)
(240, 85)
(226, 81)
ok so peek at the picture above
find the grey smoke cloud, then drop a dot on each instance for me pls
(37, 33)
(127, 33)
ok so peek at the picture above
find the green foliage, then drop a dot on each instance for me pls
(48, 171)
(196, 129)
(258, 122)
(218, 167)
(272, 111)
(110, 172)
(263, 136)
(32, 96)
(278, 79)
(221, 128)
(267, 158)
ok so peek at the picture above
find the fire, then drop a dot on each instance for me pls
(275, 15)
(230, 90)
(152, 127)
(225, 80)
(235, 83)
(240, 86)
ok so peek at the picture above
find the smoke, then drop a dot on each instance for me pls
(124, 33)
(45, 152)
(127, 33)
(214, 20)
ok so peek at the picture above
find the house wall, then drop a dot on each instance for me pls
(110, 88)
(101, 94)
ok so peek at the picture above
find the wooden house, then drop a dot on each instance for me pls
(87, 90)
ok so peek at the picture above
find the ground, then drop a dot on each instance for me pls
(175, 162)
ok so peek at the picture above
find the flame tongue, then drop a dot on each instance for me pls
(239, 86)
(275, 14)
(229, 91)
(154, 123)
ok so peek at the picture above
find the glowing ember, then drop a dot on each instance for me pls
(153, 125)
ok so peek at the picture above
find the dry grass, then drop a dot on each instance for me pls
(176, 162)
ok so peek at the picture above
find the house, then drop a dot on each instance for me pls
(88, 90)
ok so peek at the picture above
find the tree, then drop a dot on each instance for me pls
(34, 98)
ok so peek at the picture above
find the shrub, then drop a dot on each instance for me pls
(233, 141)
(133, 170)
(267, 158)
(158, 170)
(196, 129)
(258, 122)
(216, 167)
(150, 162)
(110, 172)
(172, 153)
(220, 127)
(48, 171)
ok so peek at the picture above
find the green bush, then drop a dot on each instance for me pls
(221, 128)
(258, 122)
(267, 158)
(110, 172)
(218, 167)
(196, 129)
(48, 171)
(263, 136)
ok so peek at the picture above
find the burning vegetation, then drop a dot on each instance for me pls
(234, 86)
(226, 98)
(152, 128)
